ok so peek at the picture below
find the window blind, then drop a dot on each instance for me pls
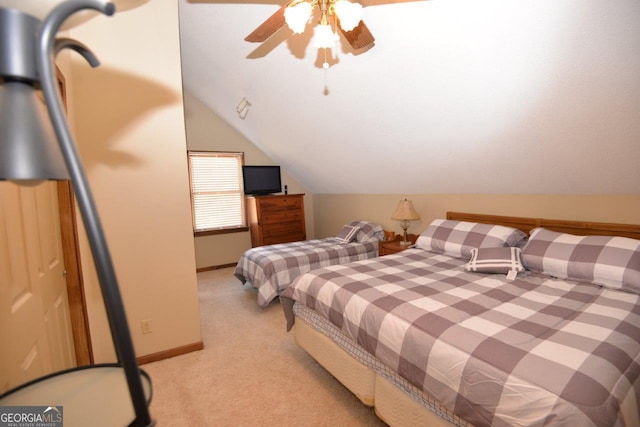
(216, 190)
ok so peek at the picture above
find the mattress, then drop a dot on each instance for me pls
(492, 350)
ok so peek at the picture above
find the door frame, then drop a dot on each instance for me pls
(73, 275)
(72, 261)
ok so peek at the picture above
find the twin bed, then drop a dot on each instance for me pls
(270, 269)
(443, 334)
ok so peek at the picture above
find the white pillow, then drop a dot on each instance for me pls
(495, 260)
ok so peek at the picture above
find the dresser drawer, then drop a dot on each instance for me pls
(278, 204)
(283, 229)
(281, 217)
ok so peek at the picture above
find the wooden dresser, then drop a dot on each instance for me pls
(276, 219)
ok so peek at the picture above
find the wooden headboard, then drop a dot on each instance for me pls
(564, 226)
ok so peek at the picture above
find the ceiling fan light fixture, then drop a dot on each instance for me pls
(324, 37)
(297, 16)
(350, 14)
(355, 31)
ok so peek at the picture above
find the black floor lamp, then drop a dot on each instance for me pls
(29, 154)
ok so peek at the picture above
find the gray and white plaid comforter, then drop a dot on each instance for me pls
(533, 351)
(271, 268)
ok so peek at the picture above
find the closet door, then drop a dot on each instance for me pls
(35, 327)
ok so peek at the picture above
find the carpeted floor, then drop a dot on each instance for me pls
(250, 373)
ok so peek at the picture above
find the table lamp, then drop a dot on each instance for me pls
(405, 213)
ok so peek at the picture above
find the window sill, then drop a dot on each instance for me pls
(220, 231)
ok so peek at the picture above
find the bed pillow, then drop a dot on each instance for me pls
(368, 230)
(348, 234)
(495, 260)
(608, 261)
(457, 238)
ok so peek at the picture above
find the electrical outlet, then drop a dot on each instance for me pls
(146, 326)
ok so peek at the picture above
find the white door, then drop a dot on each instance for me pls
(35, 327)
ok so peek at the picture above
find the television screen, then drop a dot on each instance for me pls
(261, 179)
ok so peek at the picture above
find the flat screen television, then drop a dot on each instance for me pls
(259, 180)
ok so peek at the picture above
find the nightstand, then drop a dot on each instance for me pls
(394, 246)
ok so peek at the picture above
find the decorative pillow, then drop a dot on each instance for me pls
(347, 234)
(368, 230)
(457, 238)
(495, 260)
(609, 261)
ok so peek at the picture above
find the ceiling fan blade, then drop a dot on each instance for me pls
(268, 27)
(360, 37)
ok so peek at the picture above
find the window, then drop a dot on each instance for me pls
(217, 199)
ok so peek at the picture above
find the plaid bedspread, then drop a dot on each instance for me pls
(533, 351)
(271, 268)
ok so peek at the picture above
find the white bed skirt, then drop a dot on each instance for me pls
(395, 401)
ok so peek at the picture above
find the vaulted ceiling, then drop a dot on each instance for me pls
(456, 96)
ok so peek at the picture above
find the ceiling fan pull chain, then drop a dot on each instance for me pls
(326, 74)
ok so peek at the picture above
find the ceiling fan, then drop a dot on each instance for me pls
(296, 13)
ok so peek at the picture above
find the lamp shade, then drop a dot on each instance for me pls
(28, 148)
(405, 211)
(297, 16)
(349, 14)
(324, 37)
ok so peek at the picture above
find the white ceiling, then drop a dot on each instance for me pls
(456, 96)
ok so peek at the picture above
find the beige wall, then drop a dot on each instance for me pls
(326, 213)
(207, 131)
(333, 210)
(129, 125)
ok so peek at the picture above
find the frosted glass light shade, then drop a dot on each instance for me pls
(297, 16)
(324, 37)
(349, 14)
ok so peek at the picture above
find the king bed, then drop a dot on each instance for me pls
(489, 320)
(271, 268)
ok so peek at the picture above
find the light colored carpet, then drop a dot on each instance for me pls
(250, 373)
